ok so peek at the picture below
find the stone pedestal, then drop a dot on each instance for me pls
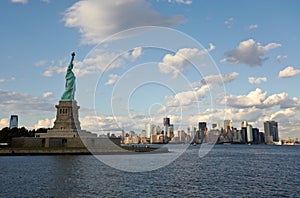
(67, 116)
(67, 123)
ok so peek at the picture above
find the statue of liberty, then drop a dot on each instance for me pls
(70, 87)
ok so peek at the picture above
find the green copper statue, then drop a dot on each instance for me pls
(69, 93)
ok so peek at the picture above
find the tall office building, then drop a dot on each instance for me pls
(271, 131)
(13, 121)
(215, 126)
(171, 131)
(202, 129)
(202, 126)
(166, 123)
(244, 124)
(244, 134)
(255, 132)
(150, 129)
(228, 125)
(249, 134)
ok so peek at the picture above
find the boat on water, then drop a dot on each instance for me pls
(289, 143)
(278, 143)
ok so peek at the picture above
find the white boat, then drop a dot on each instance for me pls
(278, 143)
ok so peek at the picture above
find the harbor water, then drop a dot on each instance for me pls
(227, 170)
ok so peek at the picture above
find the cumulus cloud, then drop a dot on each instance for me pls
(54, 69)
(40, 63)
(250, 114)
(283, 113)
(279, 58)
(229, 22)
(46, 123)
(288, 72)
(253, 98)
(275, 99)
(113, 78)
(23, 104)
(19, 1)
(252, 26)
(217, 79)
(186, 2)
(257, 80)
(259, 99)
(96, 20)
(6, 79)
(47, 94)
(97, 62)
(3, 123)
(175, 63)
(249, 52)
(186, 97)
(134, 54)
(102, 124)
(45, 1)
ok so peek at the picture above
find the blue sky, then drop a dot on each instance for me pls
(254, 45)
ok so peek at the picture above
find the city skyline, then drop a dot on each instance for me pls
(254, 49)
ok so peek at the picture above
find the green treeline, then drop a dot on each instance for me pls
(6, 134)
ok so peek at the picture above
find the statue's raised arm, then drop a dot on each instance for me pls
(70, 87)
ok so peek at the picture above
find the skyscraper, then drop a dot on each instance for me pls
(171, 131)
(271, 131)
(13, 121)
(249, 134)
(228, 125)
(202, 129)
(166, 123)
(255, 132)
(244, 124)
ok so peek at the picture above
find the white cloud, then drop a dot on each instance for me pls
(211, 47)
(134, 54)
(54, 69)
(250, 114)
(253, 98)
(288, 72)
(283, 113)
(23, 104)
(259, 99)
(114, 124)
(40, 63)
(113, 78)
(275, 99)
(19, 1)
(249, 52)
(186, 2)
(279, 58)
(229, 22)
(96, 20)
(257, 80)
(97, 62)
(46, 123)
(6, 80)
(176, 63)
(186, 97)
(3, 123)
(47, 94)
(217, 79)
(252, 26)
